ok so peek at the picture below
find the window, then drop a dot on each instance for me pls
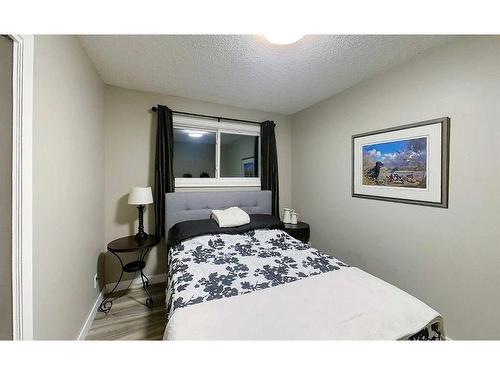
(238, 155)
(194, 153)
(212, 153)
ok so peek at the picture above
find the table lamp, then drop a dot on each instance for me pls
(140, 196)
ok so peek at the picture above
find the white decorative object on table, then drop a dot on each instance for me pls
(295, 218)
(287, 215)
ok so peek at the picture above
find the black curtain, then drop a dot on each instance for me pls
(256, 156)
(269, 163)
(164, 171)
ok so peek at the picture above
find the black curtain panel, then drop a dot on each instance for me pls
(164, 171)
(269, 163)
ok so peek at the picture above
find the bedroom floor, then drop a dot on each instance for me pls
(130, 319)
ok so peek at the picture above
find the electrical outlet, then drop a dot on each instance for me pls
(96, 277)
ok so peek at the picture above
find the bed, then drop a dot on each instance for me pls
(256, 282)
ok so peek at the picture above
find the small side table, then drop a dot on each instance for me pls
(128, 245)
(300, 231)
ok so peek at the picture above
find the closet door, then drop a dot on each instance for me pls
(6, 55)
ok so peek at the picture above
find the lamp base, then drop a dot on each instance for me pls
(141, 236)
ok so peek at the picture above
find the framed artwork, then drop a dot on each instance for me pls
(406, 164)
(248, 167)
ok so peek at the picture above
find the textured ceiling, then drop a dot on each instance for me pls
(246, 70)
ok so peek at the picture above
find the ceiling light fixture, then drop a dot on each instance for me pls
(283, 38)
(195, 134)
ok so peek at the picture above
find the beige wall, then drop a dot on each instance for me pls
(449, 258)
(130, 151)
(5, 188)
(68, 183)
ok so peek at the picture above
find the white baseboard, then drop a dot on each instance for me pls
(135, 283)
(90, 317)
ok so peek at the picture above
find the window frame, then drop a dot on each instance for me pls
(219, 127)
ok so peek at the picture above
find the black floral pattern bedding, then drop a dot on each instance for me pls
(432, 332)
(225, 265)
(218, 266)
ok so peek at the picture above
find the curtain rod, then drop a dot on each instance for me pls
(155, 109)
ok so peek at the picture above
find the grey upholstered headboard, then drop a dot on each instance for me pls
(182, 206)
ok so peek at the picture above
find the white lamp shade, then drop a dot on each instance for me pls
(140, 195)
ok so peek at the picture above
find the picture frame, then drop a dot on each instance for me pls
(404, 164)
(248, 167)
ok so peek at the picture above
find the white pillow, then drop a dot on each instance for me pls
(230, 217)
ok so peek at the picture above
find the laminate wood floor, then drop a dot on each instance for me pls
(130, 319)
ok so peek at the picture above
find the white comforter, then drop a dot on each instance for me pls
(337, 303)
(349, 304)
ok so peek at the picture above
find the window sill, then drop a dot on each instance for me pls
(217, 182)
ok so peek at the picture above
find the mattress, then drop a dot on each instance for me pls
(264, 284)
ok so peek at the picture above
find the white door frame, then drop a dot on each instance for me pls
(22, 187)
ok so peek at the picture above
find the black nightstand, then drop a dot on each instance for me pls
(128, 245)
(300, 231)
